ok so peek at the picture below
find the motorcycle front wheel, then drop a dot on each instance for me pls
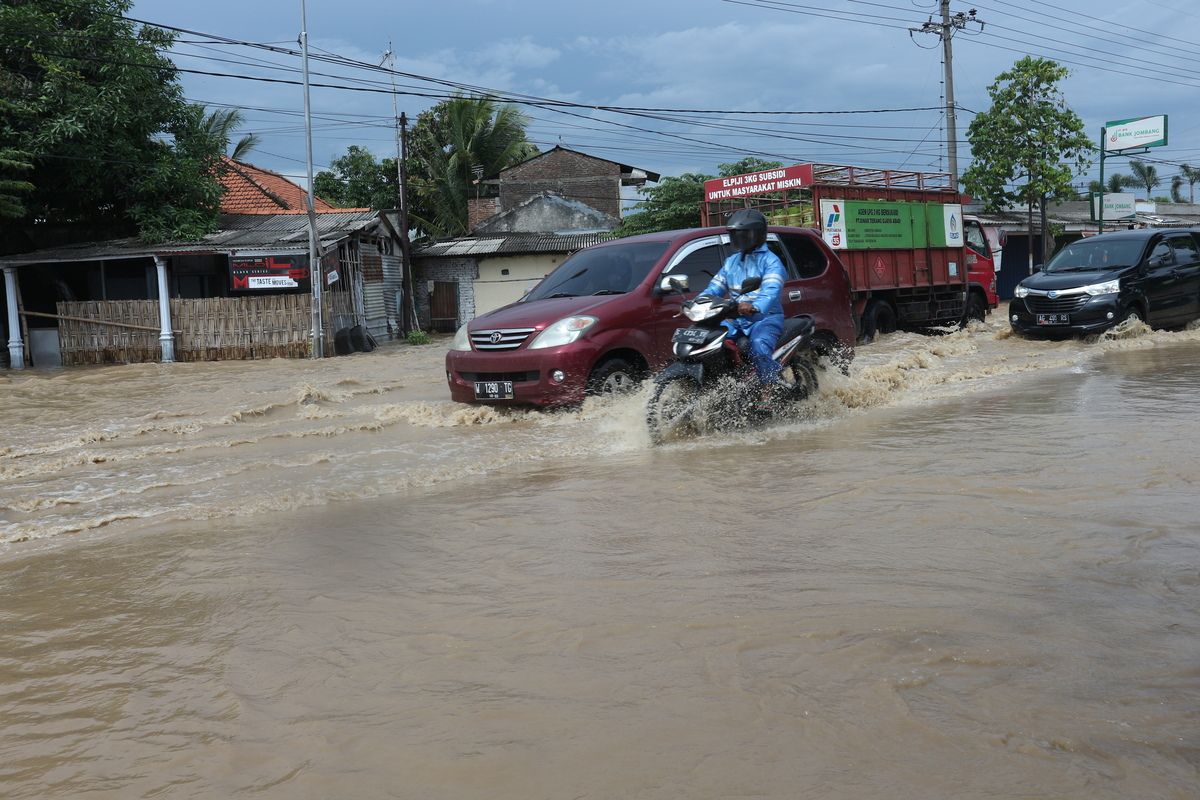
(672, 410)
(800, 377)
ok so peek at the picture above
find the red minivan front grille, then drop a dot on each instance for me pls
(500, 338)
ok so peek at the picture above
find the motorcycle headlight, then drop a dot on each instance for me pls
(698, 311)
(461, 340)
(1021, 291)
(564, 331)
(1108, 287)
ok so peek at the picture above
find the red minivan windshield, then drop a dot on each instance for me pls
(609, 269)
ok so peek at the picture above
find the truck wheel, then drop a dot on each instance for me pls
(976, 309)
(614, 377)
(878, 318)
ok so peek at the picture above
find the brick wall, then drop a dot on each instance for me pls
(481, 208)
(589, 180)
(463, 270)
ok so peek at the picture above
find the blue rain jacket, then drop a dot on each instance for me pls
(759, 262)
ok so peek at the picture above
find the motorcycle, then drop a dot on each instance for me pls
(712, 376)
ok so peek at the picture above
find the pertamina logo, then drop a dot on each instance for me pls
(834, 216)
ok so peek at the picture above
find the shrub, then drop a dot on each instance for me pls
(419, 337)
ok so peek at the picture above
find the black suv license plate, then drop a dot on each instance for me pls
(690, 335)
(493, 390)
(1053, 319)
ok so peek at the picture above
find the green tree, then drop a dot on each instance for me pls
(454, 146)
(1029, 144)
(358, 180)
(1144, 175)
(1116, 183)
(220, 125)
(13, 188)
(1190, 176)
(673, 203)
(747, 164)
(96, 107)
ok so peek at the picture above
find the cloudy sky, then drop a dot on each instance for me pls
(1128, 59)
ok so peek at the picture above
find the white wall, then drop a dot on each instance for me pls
(494, 289)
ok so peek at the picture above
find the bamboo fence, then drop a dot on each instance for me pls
(85, 342)
(209, 329)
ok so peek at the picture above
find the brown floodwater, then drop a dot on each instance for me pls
(968, 569)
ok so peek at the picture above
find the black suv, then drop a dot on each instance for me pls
(1152, 274)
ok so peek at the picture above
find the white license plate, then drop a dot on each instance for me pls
(690, 335)
(1053, 319)
(493, 390)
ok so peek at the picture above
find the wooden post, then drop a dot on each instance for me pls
(165, 337)
(16, 347)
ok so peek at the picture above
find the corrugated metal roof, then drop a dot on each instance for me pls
(511, 244)
(277, 233)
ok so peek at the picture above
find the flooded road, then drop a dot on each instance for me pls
(968, 569)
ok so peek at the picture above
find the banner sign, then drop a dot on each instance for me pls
(249, 273)
(885, 225)
(752, 183)
(1124, 134)
(1119, 205)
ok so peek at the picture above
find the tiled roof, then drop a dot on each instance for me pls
(254, 190)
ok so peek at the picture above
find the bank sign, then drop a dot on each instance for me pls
(882, 225)
(1116, 206)
(1125, 134)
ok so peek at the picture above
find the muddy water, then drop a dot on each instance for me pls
(967, 569)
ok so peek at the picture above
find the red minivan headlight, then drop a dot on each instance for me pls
(565, 331)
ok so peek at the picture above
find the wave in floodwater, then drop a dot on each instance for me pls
(154, 443)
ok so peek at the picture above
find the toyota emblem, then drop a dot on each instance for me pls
(1052, 294)
(496, 337)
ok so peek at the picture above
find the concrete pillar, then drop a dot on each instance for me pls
(16, 347)
(165, 338)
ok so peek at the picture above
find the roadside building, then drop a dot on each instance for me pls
(244, 291)
(523, 224)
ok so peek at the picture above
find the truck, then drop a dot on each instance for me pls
(913, 259)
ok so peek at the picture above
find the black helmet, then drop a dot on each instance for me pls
(747, 229)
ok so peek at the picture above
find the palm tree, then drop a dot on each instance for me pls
(1144, 175)
(221, 123)
(1117, 183)
(458, 142)
(1189, 175)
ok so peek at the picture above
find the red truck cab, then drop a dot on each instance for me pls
(602, 320)
(983, 262)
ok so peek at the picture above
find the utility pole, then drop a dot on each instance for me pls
(945, 30)
(410, 308)
(315, 277)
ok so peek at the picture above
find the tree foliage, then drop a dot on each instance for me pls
(358, 180)
(1144, 175)
(93, 105)
(1028, 145)
(675, 201)
(454, 146)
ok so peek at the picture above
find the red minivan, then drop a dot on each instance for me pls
(603, 320)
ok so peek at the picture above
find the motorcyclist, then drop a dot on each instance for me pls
(761, 310)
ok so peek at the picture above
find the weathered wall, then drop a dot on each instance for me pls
(550, 214)
(495, 288)
(579, 177)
